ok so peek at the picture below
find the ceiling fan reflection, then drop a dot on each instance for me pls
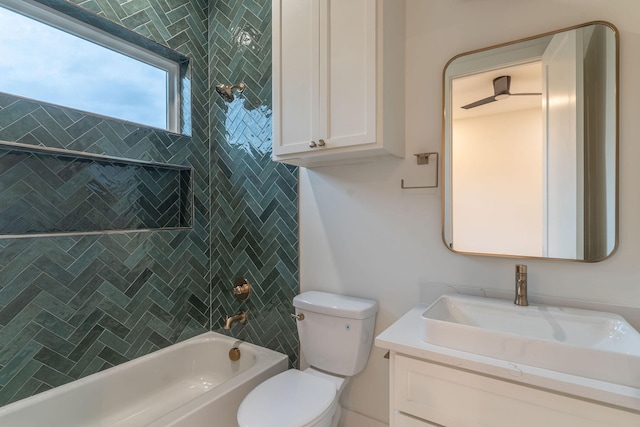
(501, 86)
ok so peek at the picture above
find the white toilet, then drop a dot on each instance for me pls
(336, 333)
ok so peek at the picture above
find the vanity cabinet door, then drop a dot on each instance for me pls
(452, 397)
(329, 69)
(402, 420)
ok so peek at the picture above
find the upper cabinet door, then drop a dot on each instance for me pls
(296, 80)
(329, 68)
(348, 72)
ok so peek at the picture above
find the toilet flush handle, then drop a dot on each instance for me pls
(297, 316)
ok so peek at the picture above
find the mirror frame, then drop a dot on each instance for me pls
(446, 151)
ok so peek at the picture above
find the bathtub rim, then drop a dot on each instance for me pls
(264, 359)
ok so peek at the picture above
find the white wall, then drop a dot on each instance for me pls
(362, 235)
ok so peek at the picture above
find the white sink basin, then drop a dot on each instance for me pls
(591, 344)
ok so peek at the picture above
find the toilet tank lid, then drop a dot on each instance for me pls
(336, 305)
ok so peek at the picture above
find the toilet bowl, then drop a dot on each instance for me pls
(336, 334)
(293, 399)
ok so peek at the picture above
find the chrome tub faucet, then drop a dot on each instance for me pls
(521, 285)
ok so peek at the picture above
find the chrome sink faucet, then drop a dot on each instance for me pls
(521, 285)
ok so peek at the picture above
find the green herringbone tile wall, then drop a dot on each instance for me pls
(45, 192)
(254, 216)
(72, 306)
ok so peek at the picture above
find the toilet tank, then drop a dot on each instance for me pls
(337, 331)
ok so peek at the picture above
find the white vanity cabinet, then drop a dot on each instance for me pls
(431, 394)
(433, 386)
(338, 80)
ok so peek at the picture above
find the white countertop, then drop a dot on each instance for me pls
(403, 337)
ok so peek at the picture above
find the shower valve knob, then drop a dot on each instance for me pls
(241, 289)
(313, 144)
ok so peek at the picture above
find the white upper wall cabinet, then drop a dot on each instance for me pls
(338, 80)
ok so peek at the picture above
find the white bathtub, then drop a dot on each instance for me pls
(189, 384)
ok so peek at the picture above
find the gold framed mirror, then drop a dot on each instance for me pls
(530, 143)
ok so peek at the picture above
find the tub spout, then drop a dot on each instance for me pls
(238, 317)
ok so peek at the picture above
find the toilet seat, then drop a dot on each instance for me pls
(290, 399)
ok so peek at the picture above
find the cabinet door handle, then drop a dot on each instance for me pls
(313, 144)
(321, 143)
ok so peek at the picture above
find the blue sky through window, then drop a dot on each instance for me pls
(44, 63)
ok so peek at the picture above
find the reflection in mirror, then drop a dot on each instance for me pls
(530, 147)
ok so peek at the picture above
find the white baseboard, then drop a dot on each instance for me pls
(353, 419)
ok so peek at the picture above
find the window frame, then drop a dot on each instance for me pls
(52, 17)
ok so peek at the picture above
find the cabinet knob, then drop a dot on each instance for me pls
(313, 144)
(321, 143)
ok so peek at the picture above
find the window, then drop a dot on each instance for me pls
(47, 56)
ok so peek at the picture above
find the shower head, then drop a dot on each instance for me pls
(226, 92)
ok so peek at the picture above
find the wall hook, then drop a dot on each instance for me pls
(423, 159)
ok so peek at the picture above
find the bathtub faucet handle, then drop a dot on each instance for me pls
(297, 316)
(241, 289)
